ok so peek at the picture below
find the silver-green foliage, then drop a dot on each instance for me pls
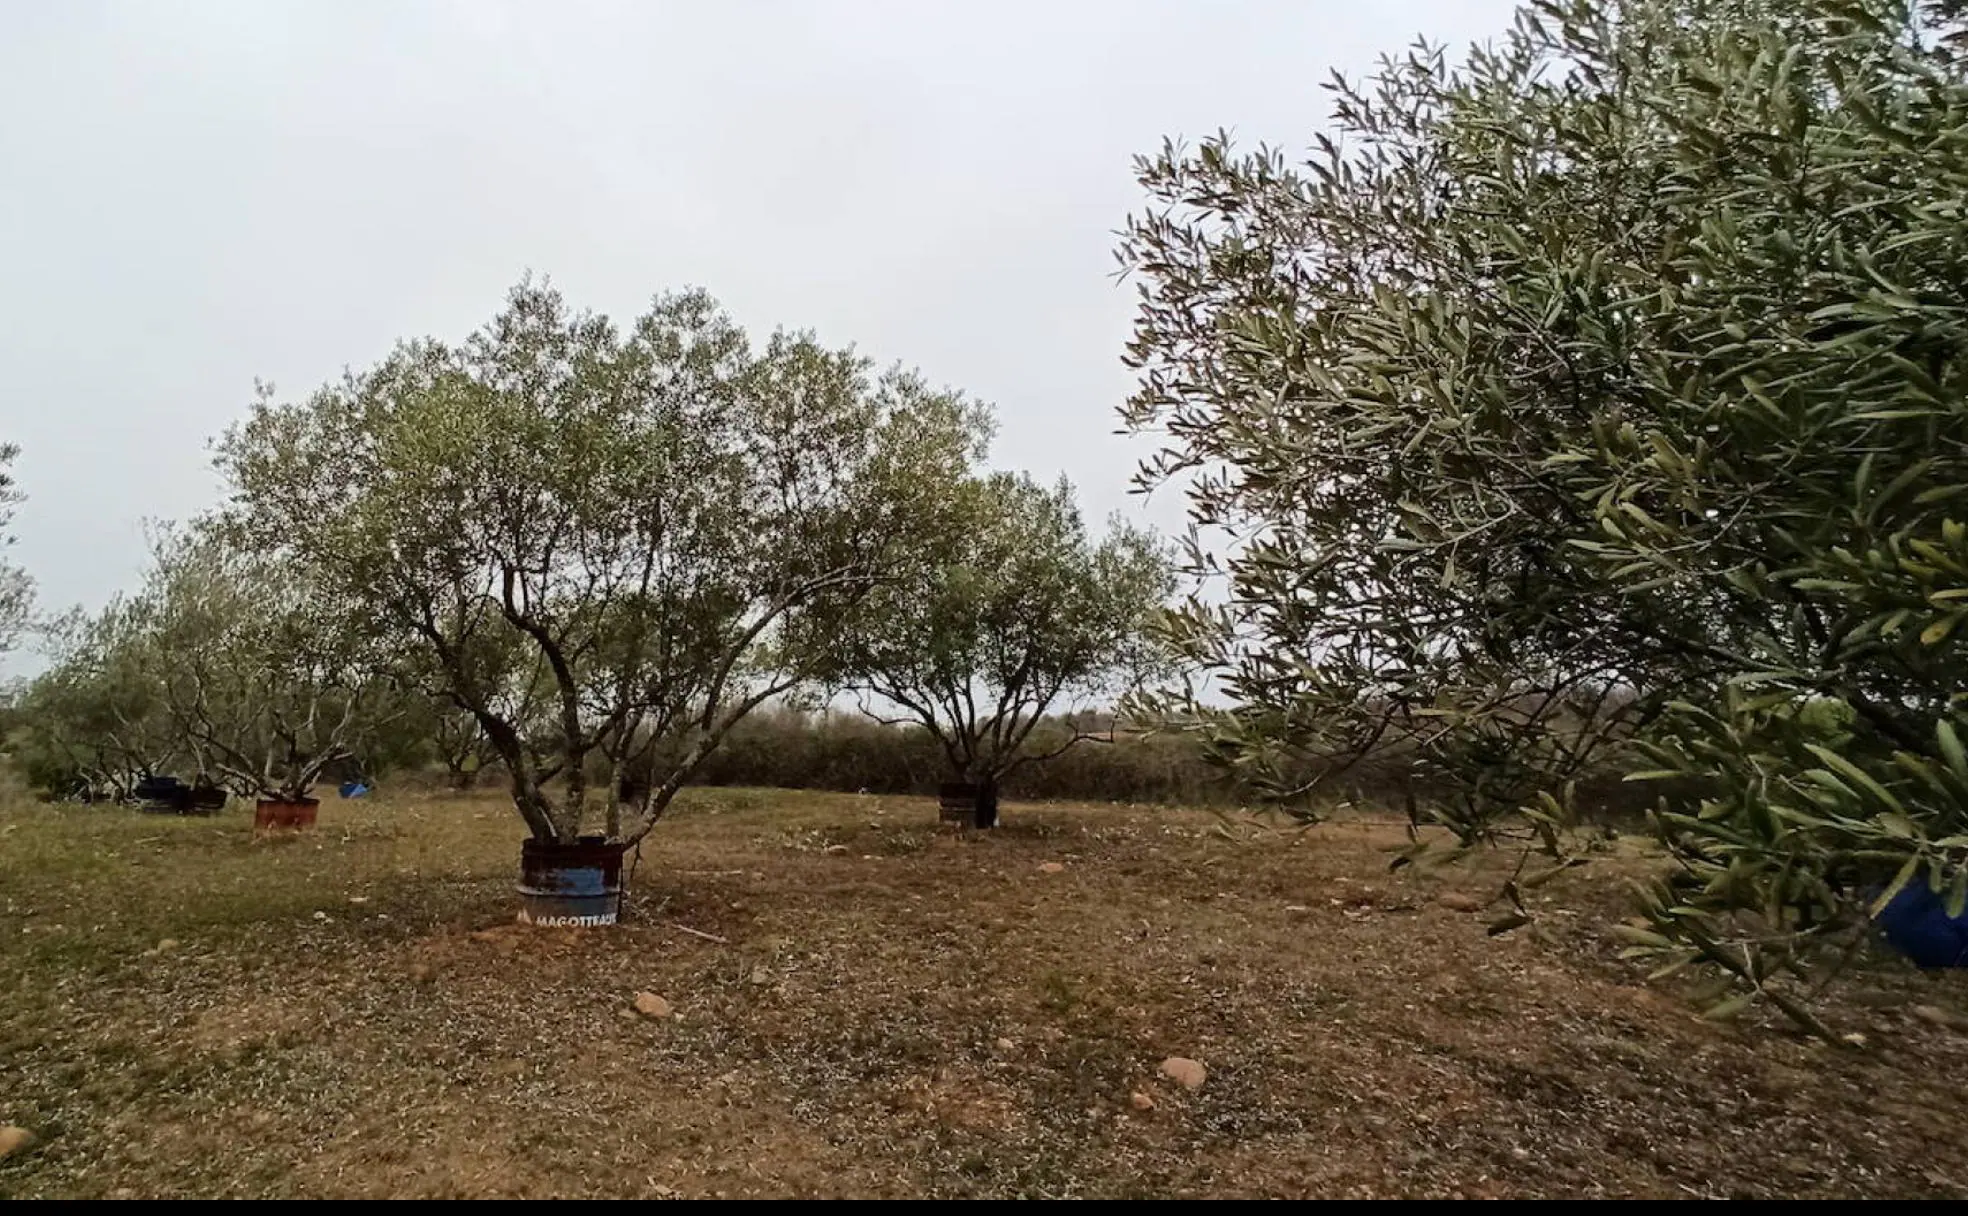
(264, 677)
(1602, 396)
(16, 588)
(95, 721)
(1007, 612)
(226, 665)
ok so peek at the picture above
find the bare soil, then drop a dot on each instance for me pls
(867, 1005)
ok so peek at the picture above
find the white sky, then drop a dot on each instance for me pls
(195, 194)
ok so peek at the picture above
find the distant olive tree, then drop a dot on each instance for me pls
(1601, 400)
(16, 588)
(660, 515)
(458, 742)
(266, 680)
(437, 728)
(1009, 614)
(94, 722)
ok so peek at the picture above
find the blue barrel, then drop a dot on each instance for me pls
(1916, 924)
(570, 885)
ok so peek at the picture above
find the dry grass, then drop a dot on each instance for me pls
(892, 1011)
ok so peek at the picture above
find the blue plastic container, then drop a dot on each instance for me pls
(1916, 924)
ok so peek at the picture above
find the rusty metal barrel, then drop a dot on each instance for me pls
(971, 804)
(285, 815)
(570, 885)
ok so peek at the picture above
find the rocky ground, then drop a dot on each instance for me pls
(826, 995)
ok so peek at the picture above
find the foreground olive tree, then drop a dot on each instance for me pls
(1599, 402)
(1009, 613)
(664, 519)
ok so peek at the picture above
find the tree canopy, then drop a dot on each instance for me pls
(16, 588)
(95, 722)
(663, 517)
(1601, 399)
(267, 680)
(1007, 613)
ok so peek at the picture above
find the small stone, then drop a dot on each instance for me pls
(321, 916)
(1005, 1045)
(1188, 1073)
(1855, 1039)
(649, 1005)
(1141, 1101)
(1456, 901)
(167, 945)
(14, 1140)
(1052, 867)
(1521, 1153)
(358, 899)
(761, 976)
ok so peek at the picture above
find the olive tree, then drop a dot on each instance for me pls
(1008, 614)
(456, 740)
(1599, 400)
(16, 588)
(663, 516)
(266, 680)
(94, 723)
(436, 727)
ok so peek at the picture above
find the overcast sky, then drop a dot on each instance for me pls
(196, 194)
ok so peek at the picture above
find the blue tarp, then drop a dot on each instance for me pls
(1916, 924)
(354, 789)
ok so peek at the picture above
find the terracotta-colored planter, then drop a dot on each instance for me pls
(274, 815)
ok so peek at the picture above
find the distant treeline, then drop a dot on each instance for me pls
(846, 751)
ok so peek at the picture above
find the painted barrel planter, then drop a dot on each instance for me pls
(157, 794)
(283, 815)
(955, 801)
(971, 804)
(570, 885)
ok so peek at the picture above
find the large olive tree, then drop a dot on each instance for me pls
(663, 516)
(1007, 614)
(1608, 391)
